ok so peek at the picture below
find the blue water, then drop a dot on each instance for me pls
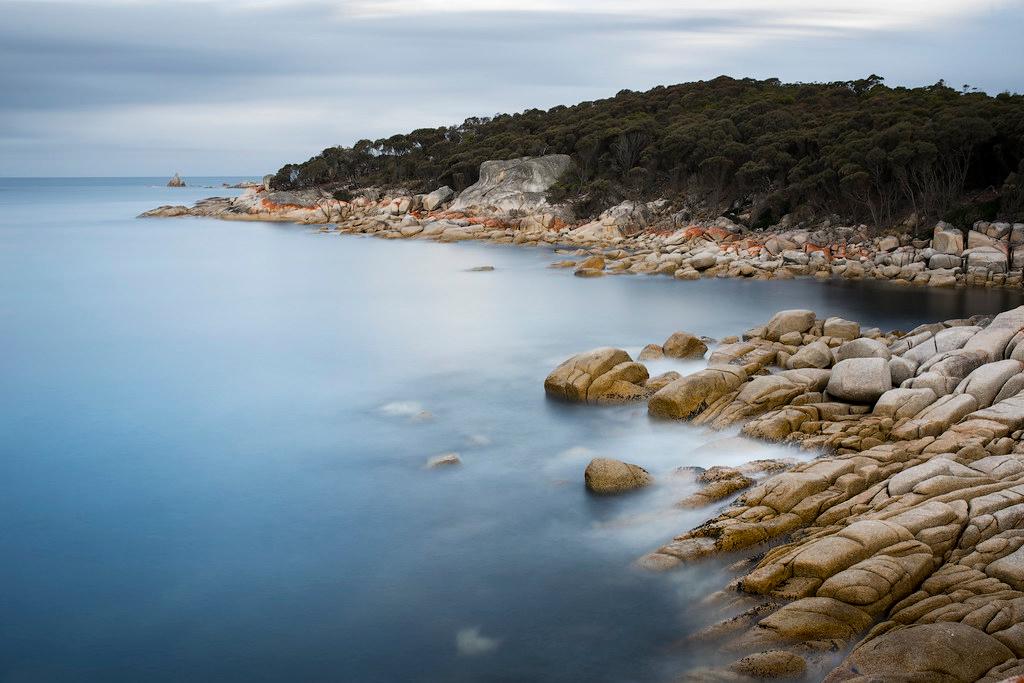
(213, 449)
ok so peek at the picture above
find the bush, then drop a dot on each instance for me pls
(856, 149)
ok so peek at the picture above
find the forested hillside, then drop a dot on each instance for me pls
(857, 149)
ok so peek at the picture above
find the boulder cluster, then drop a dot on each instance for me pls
(903, 539)
(508, 204)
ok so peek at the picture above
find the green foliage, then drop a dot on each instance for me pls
(858, 149)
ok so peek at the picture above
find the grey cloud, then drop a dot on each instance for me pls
(207, 89)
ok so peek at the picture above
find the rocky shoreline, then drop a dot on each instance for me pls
(508, 205)
(904, 539)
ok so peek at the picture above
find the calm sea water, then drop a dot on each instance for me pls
(212, 450)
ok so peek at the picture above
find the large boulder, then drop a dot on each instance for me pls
(841, 328)
(795, 320)
(860, 380)
(946, 651)
(863, 347)
(176, 181)
(689, 395)
(604, 475)
(994, 338)
(985, 382)
(684, 345)
(623, 383)
(947, 240)
(814, 355)
(572, 379)
(987, 259)
(437, 197)
(904, 403)
(513, 185)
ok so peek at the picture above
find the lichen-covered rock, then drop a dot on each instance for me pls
(513, 185)
(605, 476)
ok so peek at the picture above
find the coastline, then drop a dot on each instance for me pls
(877, 540)
(636, 239)
(901, 540)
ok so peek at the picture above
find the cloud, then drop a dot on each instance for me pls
(108, 87)
(469, 642)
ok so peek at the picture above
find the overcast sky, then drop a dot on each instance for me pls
(146, 87)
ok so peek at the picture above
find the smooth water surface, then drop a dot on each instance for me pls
(214, 437)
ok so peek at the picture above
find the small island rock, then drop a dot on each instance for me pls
(604, 475)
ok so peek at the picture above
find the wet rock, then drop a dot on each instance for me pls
(606, 476)
(571, 380)
(691, 394)
(651, 352)
(444, 460)
(621, 383)
(684, 345)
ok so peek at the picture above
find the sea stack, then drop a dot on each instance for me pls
(176, 181)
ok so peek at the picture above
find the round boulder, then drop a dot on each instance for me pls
(860, 380)
(863, 347)
(604, 475)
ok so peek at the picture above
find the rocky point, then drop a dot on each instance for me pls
(508, 204)
(895, 554)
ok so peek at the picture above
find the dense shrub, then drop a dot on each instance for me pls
(858, 149)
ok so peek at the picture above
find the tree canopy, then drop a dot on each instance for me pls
(857, 149)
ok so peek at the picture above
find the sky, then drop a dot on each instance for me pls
(240, 87)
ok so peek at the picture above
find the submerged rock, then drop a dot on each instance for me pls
(444, 460)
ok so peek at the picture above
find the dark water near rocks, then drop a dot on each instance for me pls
(212, 464)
